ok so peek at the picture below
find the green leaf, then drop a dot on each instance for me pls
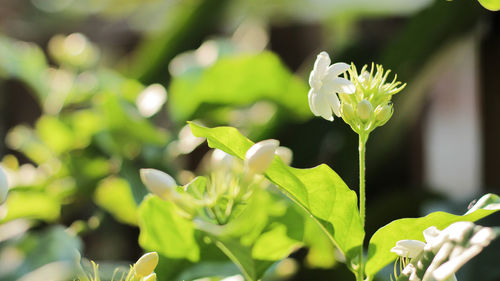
(320, 191)
(379, 254)
(493, 5)
(55, 134)
(30, 204)
(165, 231)
(232, 81)
(266, 231)
(115, 196)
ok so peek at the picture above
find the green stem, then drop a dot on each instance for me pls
(362, 199)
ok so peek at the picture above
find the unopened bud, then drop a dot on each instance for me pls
(4, 186)
(285, 154)
(158, 183)
(221, 160)
(383, 114)
(364, 110)
(347, 112)
(260, 155)
(146, 264)
(150, 277)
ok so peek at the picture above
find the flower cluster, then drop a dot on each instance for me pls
(363, 100)
(229, 185)
(444, 252)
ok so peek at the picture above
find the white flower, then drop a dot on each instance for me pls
(222, 160)
(408, 248)
(325, 83)
(285, 154)
(159, 183)
(146, 264)
(260, 155)
(4, 186)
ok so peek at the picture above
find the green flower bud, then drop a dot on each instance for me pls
(364, 110)
(383, 114)
(347, 113)
(146, 264)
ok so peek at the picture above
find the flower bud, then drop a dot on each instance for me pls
(158, 183)
(4, 186)
(146, 264)
(285, 154)
(364, 110)
(383, 114)
(347, 113)
(150, 277)
(221, 160)
(408, 248)
(260, 155)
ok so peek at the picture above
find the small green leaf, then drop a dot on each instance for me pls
(30, 204)
(493, 5)
(379, 254)
(320, 191)
(115, 196)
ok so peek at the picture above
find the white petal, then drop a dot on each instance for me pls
(338, 85)
(321, 64)
(337, 68)
(260, 155)
(411, 248)
(285, 154)
(431, 235)
(315, 80)
(319, 105)
(334, 103)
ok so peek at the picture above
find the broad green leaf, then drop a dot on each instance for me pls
(55, 134)
(165, 231)
(493, 5)
(114, 195)
(232, 81)
(379, 254)
(320, 191)
(30, 204)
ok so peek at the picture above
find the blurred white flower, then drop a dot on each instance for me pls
(151, 99)
(221, 160)
(159, 183)
(325, 83)
(4, 186)
(408, 248)
(260, 155)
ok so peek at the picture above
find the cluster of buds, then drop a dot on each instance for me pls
(444, 252)
(229, 186)
(362, 99)
(143, 269)
(370, 105)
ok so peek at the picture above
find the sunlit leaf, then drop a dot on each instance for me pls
(493, 5)
(239, 80)
(379, 254)
(30, 204)
(320, 191)
(114, 195)
(55, 134)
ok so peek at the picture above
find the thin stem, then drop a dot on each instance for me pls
(362, 196)
(363, 137)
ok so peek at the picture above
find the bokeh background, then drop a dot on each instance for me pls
(91, 91)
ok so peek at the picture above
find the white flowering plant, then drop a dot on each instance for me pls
(230, 209)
